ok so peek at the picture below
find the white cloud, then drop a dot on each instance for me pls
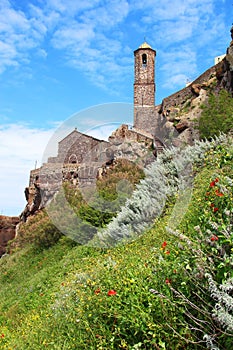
(71, 7)
(44, 20)
(176, 80)
(19, 35)
(75, 35)
(91, 45)
(178, 66)
(95, 36)
(165, 10)
(82, 31)
(107, 15)
(168, 24)
(21, 147)
(102, 132)
(173, 32)
(42, 53)
(12, 20)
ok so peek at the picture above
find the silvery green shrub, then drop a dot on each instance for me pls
(169, 174)
(222, 294)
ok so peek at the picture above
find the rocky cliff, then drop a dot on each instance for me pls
(7, 231)
(182, 109)
(225, 69)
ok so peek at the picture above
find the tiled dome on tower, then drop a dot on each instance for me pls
(145, 45)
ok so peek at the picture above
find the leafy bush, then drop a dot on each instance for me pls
(217, 115)
(209, 223)
(38, 230)
(125, 170)
(98, 207)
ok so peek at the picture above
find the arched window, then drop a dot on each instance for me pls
(144, 60)
(73, 159)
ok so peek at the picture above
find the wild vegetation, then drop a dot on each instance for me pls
(169, 286)
(217, 115)
(91, 211)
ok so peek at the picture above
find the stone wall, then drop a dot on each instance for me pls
(125, 133)
(78, 148)
(145, 118)
(178, 99)
(7, 231)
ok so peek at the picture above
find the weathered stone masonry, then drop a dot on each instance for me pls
(78, 160)
(144, 87)
(178, 98)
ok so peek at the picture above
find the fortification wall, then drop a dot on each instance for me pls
(178, 98)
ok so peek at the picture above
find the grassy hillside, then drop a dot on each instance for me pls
(158, 291)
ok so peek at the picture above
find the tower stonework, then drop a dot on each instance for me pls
(144, 87)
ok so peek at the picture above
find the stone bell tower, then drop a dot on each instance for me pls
(144, 86)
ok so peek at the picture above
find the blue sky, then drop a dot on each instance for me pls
(58, 57)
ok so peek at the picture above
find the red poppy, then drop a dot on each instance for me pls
(168, 281)
(164, 244)
(219, 194)
(2, 335)
(213, 183)
(215, 209)
(167, 252)
(97, 291)
(214, 238)
(111, 292)
(212, 205)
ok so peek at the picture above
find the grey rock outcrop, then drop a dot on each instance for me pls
(7, 231)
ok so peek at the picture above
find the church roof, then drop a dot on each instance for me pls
(145, 45)
(77, 134)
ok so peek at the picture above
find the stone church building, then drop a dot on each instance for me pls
(77, 148)
(81, 157)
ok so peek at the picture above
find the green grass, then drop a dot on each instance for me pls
(217, 115)
(57, 298)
